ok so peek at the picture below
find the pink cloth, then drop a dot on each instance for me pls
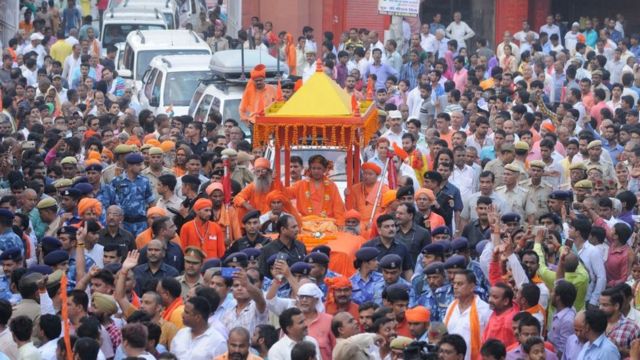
(320, 329)
(460, 78)
(617, 265)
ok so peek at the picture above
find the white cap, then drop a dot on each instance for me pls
(36, 36)
(395, 114)
(575, 24)
(310, 289)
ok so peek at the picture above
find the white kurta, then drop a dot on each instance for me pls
(460, 323)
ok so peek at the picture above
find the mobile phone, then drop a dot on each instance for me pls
(569, 243)
(28, 145)
(282, 256)
(227, 272)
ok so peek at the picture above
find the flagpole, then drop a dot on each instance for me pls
(226, 186)
(380, 184)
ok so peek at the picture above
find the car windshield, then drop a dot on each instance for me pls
(232, 111)
(144, 58)
(180, 86)
(115, 33)
(337, 156)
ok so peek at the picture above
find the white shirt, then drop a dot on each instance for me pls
(460, 32)
(70, 64)
(282, 349)
(393, 137)
(594, 263)
(459, 322)
(464, 179)
(248, 318)
(48, 350)
(570, 41)
(428, 43)
(96, 254)
(521, 36)
(28, 352)
(204, 347)
(414, 100)
(551, 29)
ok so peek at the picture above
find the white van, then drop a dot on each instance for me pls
(170, 81)
(117, 24)
(223, 91)
(142, 46)
(167, 8)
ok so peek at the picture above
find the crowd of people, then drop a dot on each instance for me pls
(496, 205)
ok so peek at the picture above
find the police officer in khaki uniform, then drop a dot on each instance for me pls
(514, 195)
(155, 168)
(537, 191)
(117, 168)
(522, 151)
(193, 260)
(582, 189)
(595, 150)
(496, 166)
(577, 172)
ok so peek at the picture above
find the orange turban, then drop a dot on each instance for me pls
(167, 145)
(148, 137)
(382, 140)
(92, 162)
(547, 125)
(93, 155)
(373, 167)
(387, 198)
(89, 133)
(214, 186)
(339, 282)
(108, 153)
(418, 314)
(352, 214)
(261, 163)
(427, 192)
(286, 204)
(276, 195)
(153, 142)
(400, 152)
(134, 141)
(259, 71)
(156, 211)
(87, 204)
(202, 204)
(581, 38)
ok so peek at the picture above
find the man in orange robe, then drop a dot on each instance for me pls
(362, 195)
(254, 196)
(203, 233)
(318, 195)
(144, 237)
(257, 95)
(223, 215)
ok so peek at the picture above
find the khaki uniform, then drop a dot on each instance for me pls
(218, 44)
(537, 196)
(524, 174)
(31, 309)
(496, 166)
(111, 172)
(608, 172)
(186, 287)
(516, 198)
(53, 227)
(242, 175)
(153, 178)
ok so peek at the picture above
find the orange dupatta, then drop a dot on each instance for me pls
(167, 312)
(474, 319)
(65, 316)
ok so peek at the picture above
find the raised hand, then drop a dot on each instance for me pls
(131, 261)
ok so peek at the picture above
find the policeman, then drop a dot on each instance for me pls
(460, 246)
(116, 169)
(453, 265)
(58, 260)
(252, 257)
(367, 278)
(441, 233)
(327, 251)
(434, 277)
(236, 260)
(405, 194)
(8, 239)
(514, 195)
(11, 259)
(557, 200)
(69, 206)
(430, 253)
(391, 266)
(319, 263)
(577, 172)
(595, 151)
(69, 166)
(133, 193)
(300, 270)
(101, 191)
(284, 290)
(67, 236)
(582, 189)
(537, 191)
(511, 221)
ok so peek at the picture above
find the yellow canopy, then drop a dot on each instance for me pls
(320, 96)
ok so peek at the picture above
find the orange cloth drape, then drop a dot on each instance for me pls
(362, 199)
(65, 317)
(144, 237)
(173, 313)
(324, 201)
(258, 200)
(228, 217)
(254, 101)
(207, 237)
(290, 54)
(474, 319)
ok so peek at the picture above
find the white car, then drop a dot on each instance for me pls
(337, 155)
(117, 24)
(170, 82)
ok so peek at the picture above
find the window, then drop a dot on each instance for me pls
(203, 109)
(156, 90)
(115, 33)
(179, 86)
(145, 57)
(149, 83)
(196, 97)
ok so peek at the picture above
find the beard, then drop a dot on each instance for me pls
(353, 229)
(263, 184)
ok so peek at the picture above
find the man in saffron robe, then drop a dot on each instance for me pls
(362, 196)
(257, 95)
(224, 216)
(253, 197)
(203, 233)
(318, 195)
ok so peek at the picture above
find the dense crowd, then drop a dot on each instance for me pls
(495, 216)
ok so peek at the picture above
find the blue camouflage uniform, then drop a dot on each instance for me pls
(427, 296)
(284, 290)
(5, 281)
(364, 291)
(71, 273)
(134, 198)
(9, 239)
(482, 280)
(380, 288)
(5, 288)
(107, 197)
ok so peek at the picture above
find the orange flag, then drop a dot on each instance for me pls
(370, 89)
(279, 92)
(65, 316)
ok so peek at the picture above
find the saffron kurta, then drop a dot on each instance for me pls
(363, 198)
(254, 102)
(318, 198)
(207, 237)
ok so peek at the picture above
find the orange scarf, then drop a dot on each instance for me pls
(536, 280)
(135, 300)
(538, 309)
(174, 305)
(474, 319)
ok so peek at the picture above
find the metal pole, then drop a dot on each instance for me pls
(375, 203)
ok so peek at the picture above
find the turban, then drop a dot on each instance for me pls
(89, 133)
(276, 195)
(400, 152)
(167, 145)
(418, 314)
(108, 153)
(202, 204)
(387, 198)
(214, 186)
(105, 303)
(92, 162)
(259, 71)
(134, 141)
(148, 137)
(547, 125)
(93, 155)
(153, 142)
(310, 289)
(427, 192)
(581, 38)
(373, 167)
(339, 282)
(89, 204)
(352, 214)
(156, 211)
(262, 163)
